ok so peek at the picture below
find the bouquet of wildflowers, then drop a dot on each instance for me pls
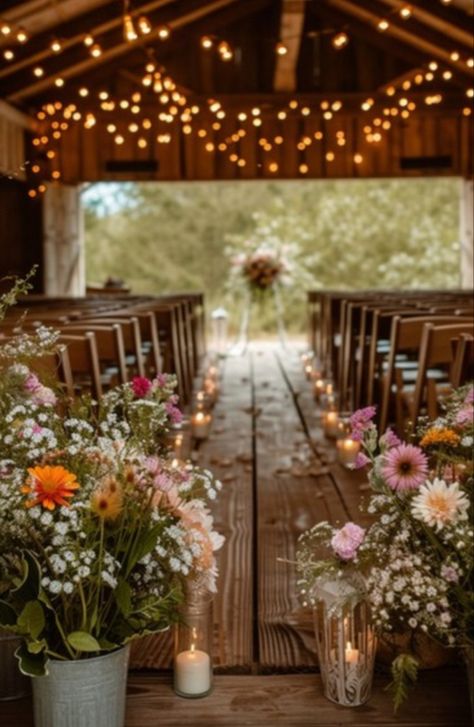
(99, 528)
(260, 265)
(416, 557)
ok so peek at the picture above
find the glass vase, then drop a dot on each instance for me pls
(193, 672)
(345, 639)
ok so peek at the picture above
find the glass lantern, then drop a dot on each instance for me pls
(220, 319)
(345, 639)
(193, 647)
(347, 447)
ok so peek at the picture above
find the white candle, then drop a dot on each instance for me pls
(192, 672)
(330, 423)
(318, 388)
(201, 424)
(351, 655)
(348, 449)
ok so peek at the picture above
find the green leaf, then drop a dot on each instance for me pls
(31, 620)
(82, 641)
(123, 596)
(32, 665)
(7, 615)
(36, 647)
(404, 675)
(29, 587)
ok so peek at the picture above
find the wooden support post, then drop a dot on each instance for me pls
(64, 270)
(466, 232)
(291, 29)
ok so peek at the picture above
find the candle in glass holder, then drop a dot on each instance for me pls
(201, 424)
(211, 389)
(351, 655)
(319, 387)
(192, 672)
(347, 450)
(331, 423)
(329, 388)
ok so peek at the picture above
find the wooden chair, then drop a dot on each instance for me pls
(110, 349)
(436, 350)
(463, 360)
(131, 338)
(405, 338)
(84, 362)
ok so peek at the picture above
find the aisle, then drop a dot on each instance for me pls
(279, 478)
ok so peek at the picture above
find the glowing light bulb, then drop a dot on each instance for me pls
(340, 40)
(164, 32)
(281, 49)
(8, 54)
(405, 12)
(144, 25)
(38, 71)
(56, 46)
(206, 42)
(129, 32)
(88, 40)
(96, 50)
(21, 35)
(383, 25)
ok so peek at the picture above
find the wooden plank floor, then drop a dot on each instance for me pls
(280, 477)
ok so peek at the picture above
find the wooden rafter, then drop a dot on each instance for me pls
(37, 16)
(291, 31)
(448, 20)
(74, 34)
(120, 49)
(370, 14)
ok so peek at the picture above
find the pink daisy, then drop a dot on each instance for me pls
(405, 467)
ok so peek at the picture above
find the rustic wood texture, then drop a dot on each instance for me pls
(286, 700)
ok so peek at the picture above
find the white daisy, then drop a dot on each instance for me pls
(438, 504)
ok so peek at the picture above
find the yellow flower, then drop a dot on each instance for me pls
(439, 436)
(107, 500)
(51, 485)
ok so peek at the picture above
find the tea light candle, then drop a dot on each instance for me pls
(351, 655)
(347, 449)
(201, 424)
(213, 372)
(319, 387)
(329, 389)
(211, 389)
(192, 675)
(308, 369)
(331, 423)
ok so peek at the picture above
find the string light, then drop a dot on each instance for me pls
(38, 71)
(455, 56)
(21, 35)
(164, 32)
(206, 42)
(5, 29)
(383, 25)
(129, 32)
(144, 25)
(89, 40)
(225, 50)
(340, 40)
(56, 46)
(281, 49)
(8, 54)
(96, 50)
(405, 12)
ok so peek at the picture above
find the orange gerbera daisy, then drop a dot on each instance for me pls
(51, 485)
(439, 436)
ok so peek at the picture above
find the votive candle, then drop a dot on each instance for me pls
(347, 449)
(331, 424)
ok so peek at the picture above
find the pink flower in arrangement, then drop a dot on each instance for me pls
(360, 461)
(390, 439)
(161, 380)
(449, 573)
(361, 420)
(32, 383)
(174, 413)
(140, 386)
(405, 467)
(469, 398)
(465, 415)
(37, 429)
(44, 396)
(347, 540)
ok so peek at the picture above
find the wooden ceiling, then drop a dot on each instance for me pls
(389, 44)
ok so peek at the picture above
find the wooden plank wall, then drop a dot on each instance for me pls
(83, 153)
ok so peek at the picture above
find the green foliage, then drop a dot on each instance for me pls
(356, 234)
(20, 286)
(404, 675)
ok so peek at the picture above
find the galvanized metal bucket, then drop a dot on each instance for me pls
(13, 684)
(85, 693)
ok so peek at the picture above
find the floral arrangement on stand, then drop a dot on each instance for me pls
(103, 532)
(415, 560)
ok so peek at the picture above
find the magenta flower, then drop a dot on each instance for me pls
(469, 398)
(140, 386)
(390, 439)
(360, 461)
(361, 420)
(347, 540)
(174, 413)
(32, 383)
(405, 467)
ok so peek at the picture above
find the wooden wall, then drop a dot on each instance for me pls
(83, 153)
(21, 244)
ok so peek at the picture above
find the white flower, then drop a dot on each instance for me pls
(438, 504)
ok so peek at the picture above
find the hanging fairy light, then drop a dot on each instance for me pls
(225, 51)
(383, 25)
(8, 54)
(21, 35)
(164, 32)
(56, 45)
(144, 25)
(206, 42)
(95, 50)
(5, 29)
(281, 49)
(405, 12)
(340, 40)
(89, 40)
(129, 32)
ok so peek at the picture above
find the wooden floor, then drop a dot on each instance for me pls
(279, 478)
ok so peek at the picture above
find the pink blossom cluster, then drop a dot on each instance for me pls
(361, 420)
(346, 541)
(41, 395)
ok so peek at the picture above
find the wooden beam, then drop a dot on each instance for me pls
(291, 31)
(120, 49)
(74, 33)
(446, 19)
(37, 16)
(17, 117)
(370, 14)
